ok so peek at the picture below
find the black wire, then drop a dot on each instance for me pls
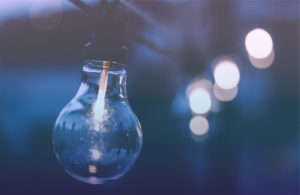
(81, 5)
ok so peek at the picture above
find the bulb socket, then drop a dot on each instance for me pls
(106, 64)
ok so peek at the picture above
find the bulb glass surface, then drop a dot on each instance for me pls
(97, 137)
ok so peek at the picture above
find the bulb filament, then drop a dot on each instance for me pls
(100, 102)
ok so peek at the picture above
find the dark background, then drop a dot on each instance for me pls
(252, 146)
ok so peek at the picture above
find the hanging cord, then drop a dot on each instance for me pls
(154, 47)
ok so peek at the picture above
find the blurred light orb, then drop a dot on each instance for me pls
(46, 15)
(225, 95)
(216, 105)
(259, 43)
(199, 83)
(264, 62)
(226, 74)
(200, 101)
(199, 125)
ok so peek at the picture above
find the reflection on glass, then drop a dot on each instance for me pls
(95, 154)
(92, 169)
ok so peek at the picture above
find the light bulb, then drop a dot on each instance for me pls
(97, 137)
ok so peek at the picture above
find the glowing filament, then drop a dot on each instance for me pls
(92, 169)
(100, 102)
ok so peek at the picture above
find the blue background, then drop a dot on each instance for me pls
(253, 143)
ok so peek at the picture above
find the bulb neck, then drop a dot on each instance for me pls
(109, 36)
(116, 77)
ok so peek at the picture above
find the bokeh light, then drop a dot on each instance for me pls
(226, 74)
(225, 95)
(199, 83)
(264, 62)
(200, 101)
(199, 125)
(259, 43)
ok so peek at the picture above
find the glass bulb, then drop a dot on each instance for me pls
(97, 137)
